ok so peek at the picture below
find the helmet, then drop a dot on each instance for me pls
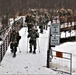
(33, 28)
(28, 14)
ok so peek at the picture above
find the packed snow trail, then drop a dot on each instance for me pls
(27, 63)
(32, 64)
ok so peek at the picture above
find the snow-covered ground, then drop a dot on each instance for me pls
(27, 63)
(32, 64)
(1, 42)
(68, 47)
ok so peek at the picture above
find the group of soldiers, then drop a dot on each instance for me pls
(65, 16)
(33, 21)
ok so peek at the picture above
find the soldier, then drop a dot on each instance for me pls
(35, 17)
(33, 36)
(14, 41)
(41, 23)
(69, 16)
(47, 19)
(30, 22)
(4, 21)
(62, 14)
(69, 12)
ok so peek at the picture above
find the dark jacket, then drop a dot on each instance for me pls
(33, 36)
(15, 37)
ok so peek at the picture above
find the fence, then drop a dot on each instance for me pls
(6, 36)
(61, 62)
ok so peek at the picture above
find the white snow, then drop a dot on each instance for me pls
(27, 63)
(1, 42)
(32, 64)
(68, 47)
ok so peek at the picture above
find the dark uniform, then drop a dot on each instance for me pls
(69, 16)
(41, 23)
(62, 15)
(14, 41)
(33, 36)
(46, 20)
(30, 22)
(4, 21)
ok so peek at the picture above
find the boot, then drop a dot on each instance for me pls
(30, 51)
(34, 52)
(14, 55)
(11, 51)
(42, 31)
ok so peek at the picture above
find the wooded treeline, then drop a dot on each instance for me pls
(11, 6)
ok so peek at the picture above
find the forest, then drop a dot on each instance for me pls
(12, 6)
